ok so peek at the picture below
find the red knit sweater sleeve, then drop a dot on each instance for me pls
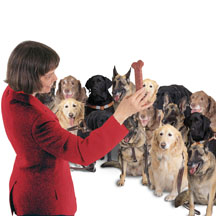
(51, 137)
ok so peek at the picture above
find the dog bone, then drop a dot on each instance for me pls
(137, 66)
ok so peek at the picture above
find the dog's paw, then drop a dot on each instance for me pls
(170, 197)
(120, 182)
(158, 193)
(144, 182)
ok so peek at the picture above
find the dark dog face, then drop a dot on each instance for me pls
(98, 86)
(47, 98)
(97, 118)
(131, 124)
(198, 159)
(199, 126)
(121, 85)
(171, 114)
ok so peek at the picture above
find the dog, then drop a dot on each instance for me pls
(150, 120)
(205, 104)
(174, 115)
(131, 156)
(70, 87)
(122, 86)
(168, 160)
(175, 93)
(199, 128)
(99, 97)
(70, 113)
(93, 121)
(201, 179)
(48, 99)
(151, 88)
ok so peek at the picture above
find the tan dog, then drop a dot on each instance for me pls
(150, 120)
(202, 103)
(151, 88)
(201, 179)
(168, 156)
(70, 113)
(70, 87)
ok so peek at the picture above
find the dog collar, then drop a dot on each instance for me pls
(101, 107)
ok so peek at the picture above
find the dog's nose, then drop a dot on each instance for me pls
(71, 115)
(190, 164)
(163, 145)
(164, 121)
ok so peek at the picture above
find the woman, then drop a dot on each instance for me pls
(41, 182)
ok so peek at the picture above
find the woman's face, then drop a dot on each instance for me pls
(47, 81)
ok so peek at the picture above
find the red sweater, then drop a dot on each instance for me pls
(41, 178)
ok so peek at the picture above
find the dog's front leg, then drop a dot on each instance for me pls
(191, 202)
(144, 177)
(174, 191)
(211, 200)
(123, 175)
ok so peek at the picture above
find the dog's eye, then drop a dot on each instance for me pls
(66, 106)
(201, 98)
(169, 134)
(74, 105)
(144, 85)
(64, 82)
(161, 134)
(150, 86)
(72, 83)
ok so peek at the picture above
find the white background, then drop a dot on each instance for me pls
(175, 39)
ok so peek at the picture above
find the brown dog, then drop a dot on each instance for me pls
(70, 87)
(168, 156)
(131, 157)
(150, 120)
(174, 115)
(122, 86)
(201, 179)
(70, 113)
(205, 104)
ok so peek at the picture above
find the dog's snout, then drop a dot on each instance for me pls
(163, 145)
(190, 164)
(70, 115)
(66, 91)
(164, 121)
(192, 105)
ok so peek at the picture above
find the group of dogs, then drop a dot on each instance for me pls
(171, 144)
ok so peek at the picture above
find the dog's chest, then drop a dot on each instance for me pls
(200, 191)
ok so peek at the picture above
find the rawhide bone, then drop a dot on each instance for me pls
(137, 66)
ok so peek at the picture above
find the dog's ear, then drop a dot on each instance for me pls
(108, 82)
(88, 83)
(115, 73)
(183, 104)
(166, 100)
(127, 75)
(211, 105)
(59, 90)
(154, 140)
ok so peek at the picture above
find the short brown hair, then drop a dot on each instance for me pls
(27, 62)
